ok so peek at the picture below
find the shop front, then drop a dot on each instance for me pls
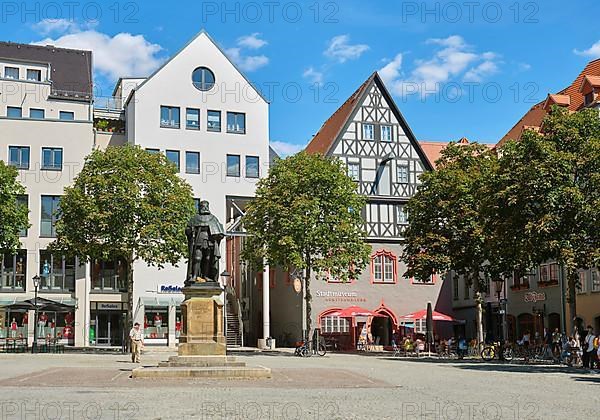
(107, 324)
(161, 319)
(533, 311)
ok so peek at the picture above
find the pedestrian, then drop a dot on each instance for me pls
(556, 339)
(588, 348)
(137, 341)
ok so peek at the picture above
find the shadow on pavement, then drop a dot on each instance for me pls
(593, 379)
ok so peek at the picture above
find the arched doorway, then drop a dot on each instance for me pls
(553, 321)
(383, 327)
(525, 323)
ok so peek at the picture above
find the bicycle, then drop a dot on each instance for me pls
(491, 351)
(306, 349)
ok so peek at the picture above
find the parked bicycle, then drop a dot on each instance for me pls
(492, 351)
(307, 349)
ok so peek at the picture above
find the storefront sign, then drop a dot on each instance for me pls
(535, 297)
(297, 285)
(164, 288)
(105, 306)
(336, 296)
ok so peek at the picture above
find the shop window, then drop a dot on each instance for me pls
(334, 324)
(13, 271)
(110, 275)
(383, 267)
(156, 323)
(13, 324)
(57, 272)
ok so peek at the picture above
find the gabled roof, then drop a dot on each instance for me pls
(593, 81)
(535, 116)
(560, 100)
(434, 149)
(71, 70)
(198, 35)
(330, 132)
(331, 129)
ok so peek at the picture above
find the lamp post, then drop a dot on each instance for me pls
(499, 283)
(36, 285)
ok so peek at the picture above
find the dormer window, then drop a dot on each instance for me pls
(34, 75)
(588, 98)
(203, 79)
(11, 73)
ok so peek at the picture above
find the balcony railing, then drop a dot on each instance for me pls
(108, 103)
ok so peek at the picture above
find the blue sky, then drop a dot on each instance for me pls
(455, 68)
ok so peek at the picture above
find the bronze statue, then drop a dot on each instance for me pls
(204, 233)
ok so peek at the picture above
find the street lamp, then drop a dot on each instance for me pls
(36, 285)
(499, 283)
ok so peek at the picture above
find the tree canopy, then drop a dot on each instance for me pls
(307, 215)
(125, 203)
(14, 217)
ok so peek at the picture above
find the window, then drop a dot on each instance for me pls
(521, 281)
(595, 280)
(23, 200)
(233, 165)
(169, 116)
(153, 151)
(455, 286)
(37, 114)
(109, 275)
(52, 159)
(50, 204)
(14, 112)
(57, 272)
(252, 167)
(214, 121)
(203, 79)
(368, 132)
(173, 157)
(66, 115)
(13, 271)
(582, 287)
(402, 214)
(354, 171)
(34, 75)
(589, 98)
(192, 119)
(386, 133)
(402, 173)
(236, 122)
(192, 162)
(11, 72)
(549, 273)
(334, 324)
(467, 291)
(383, 267)
(18, 156)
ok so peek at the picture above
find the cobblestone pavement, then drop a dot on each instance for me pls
(89, 386)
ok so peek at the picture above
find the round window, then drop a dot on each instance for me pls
(203, 79)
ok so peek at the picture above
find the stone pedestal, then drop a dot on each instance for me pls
(202, 321)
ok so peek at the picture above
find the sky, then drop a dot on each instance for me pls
(455, 69)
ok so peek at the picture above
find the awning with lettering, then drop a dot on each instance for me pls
(161, 301)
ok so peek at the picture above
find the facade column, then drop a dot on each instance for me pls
(266, 303)
(172, 313)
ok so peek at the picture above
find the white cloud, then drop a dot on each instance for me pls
(284, 149)
(252, 41)
(524, 66)
(115, 56)
(593, 51)
(339, 49)
(314, 76)
(452, 60)
(248, 63)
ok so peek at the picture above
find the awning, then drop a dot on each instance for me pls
(354, 311)
(437, 316)
(162, 301)
(43, 304)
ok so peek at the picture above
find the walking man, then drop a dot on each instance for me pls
(137, 341)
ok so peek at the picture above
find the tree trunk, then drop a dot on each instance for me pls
(572, 279)
(308, 299)
(129, 318)
(479, 319)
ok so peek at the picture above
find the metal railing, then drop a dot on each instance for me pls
(108, 103)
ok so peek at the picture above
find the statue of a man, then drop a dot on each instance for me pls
(204, 233)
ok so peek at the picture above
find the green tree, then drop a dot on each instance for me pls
(307, 215)
(446, 231)
(13, 217)
(548, 195)
(126, 203)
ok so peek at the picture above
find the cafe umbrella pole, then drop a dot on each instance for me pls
(36, 285)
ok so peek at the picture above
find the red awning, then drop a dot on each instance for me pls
(437, 316)
(354, 311)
